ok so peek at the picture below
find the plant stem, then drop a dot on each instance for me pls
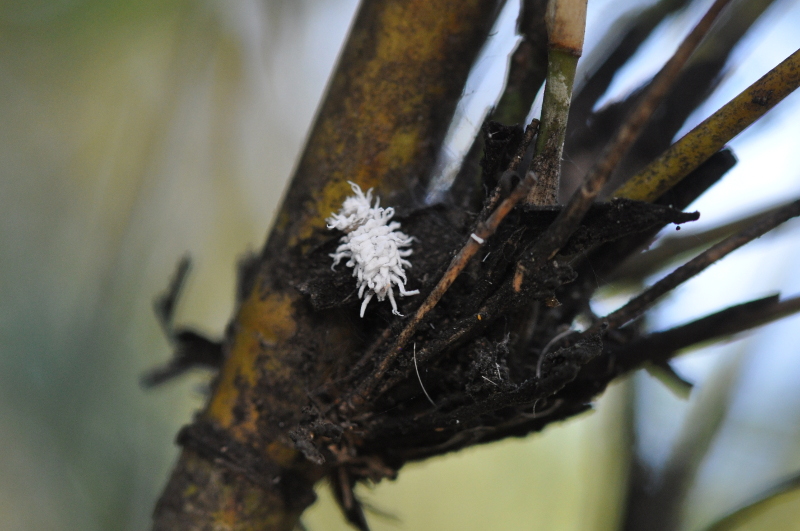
(640, 303)
(566, 24)
(581, 201)
(711, 135)
(550, 142)
(661, 346)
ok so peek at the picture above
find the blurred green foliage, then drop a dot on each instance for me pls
(132, 132)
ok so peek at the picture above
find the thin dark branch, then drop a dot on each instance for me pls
(669, 248)
(676, 383)
(164, 305)
(660, 346)
(639, 304)
(191, 350)
(635, 29)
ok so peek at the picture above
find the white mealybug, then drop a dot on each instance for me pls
(375, 249)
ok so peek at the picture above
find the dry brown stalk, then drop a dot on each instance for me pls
(661, 346)
(639, 304)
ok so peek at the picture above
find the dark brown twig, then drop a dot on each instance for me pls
(634, 27)
(660, 346)
(639, 304)
(647, 263)
(634, 124)
(513, 167)
(164, 305)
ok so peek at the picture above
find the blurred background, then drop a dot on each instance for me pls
(133, 132)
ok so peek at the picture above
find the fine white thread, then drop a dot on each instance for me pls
(416, 368)
(375, 249)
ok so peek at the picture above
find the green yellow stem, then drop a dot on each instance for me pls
(711, 135)
(555, 111)
(566, 25)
